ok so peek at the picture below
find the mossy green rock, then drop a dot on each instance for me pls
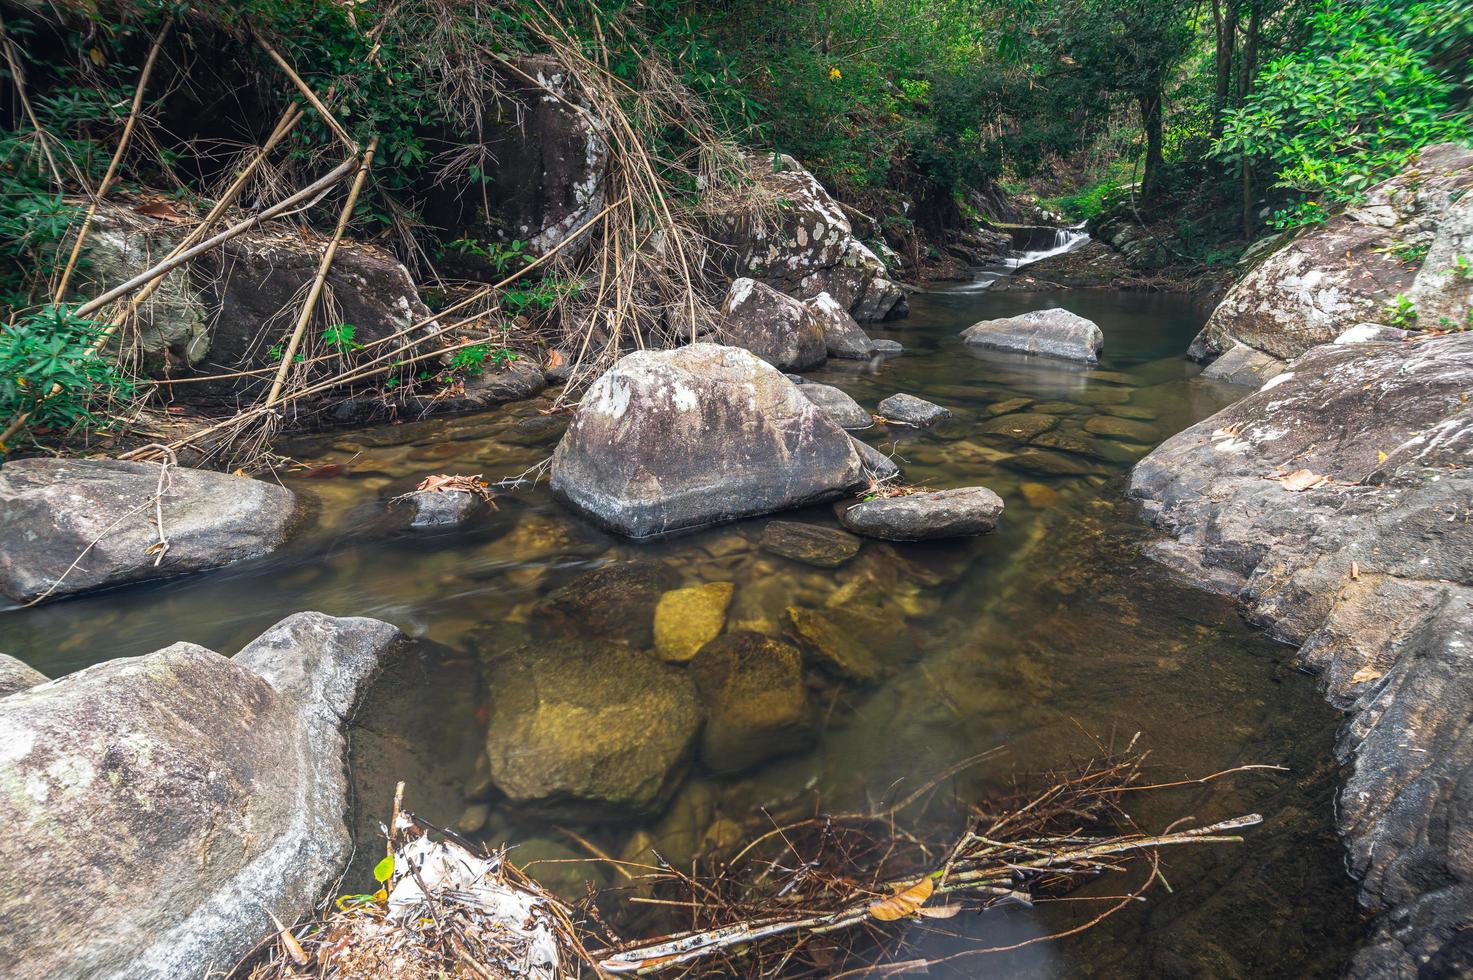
(835, 651)
(753, 688)
(686, 619)
(811, 544)
(589, 731)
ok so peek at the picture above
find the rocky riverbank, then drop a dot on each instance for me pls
(1336, 504)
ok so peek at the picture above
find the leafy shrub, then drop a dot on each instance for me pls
(1355, 103)
(48, 349)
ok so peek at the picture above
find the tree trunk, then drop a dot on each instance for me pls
(1150, 104)
(1225, 22)
(1245, 85)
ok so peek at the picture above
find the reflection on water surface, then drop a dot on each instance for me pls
(1051, 630)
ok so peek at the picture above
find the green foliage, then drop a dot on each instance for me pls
(1401, 312)
(472, 361)
(1087, 202)
(47, 349)
(503, 257)
(539, 296)
(1351, 107)
(339, 336)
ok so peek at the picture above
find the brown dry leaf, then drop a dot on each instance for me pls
(159, 209)
(1228, 431)
(939, 911)
(452, 482)
(903, 903)
(555, 359)
(1301, 480)
(293, 948)
(1365, 674)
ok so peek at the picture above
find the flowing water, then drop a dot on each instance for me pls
(1040, 638)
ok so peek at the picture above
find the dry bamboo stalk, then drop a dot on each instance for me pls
(318, 186)
(112, 167)
(308, 94)
(309, 305)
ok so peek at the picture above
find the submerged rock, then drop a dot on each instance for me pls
(589, 731)
(832, 648)
(1113, 427)
(1371, 570)
(811, 544)
(1347, 271)
(54, 512)
(669, 440)
(921, 516)
(615, 602)
(886, 347)
(145, 796)
(772, 325)
(686, 619)
(1051, 333)
(841, 334)
(1244, 366)
(756, 698)
(837, 405)
(912, 410)
(1020, 426)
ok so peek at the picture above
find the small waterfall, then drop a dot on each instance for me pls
(1043, 242)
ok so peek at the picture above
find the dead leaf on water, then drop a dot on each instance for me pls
(939, 911)
(903, 903)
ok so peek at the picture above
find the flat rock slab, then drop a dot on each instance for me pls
(1334, 503)
(689, 618)
(145, 796)
(811, 544)
(1128, 430)
(1242, 365)
(54, 510)
(837, 405)
(912, 410)
(1049, 333)
(1020, 426)
(922, 516)
(887, 347)
(670, 440)
(832, 648)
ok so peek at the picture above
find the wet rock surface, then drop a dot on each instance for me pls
(1371, 572)
(147, 795)
(616, 602)
(1050, 333)
(686, 619)
(1347, 271)
(1242, 365)
(756, 698)
(430, 511)
(54, 510)
(671, 440)
(589, 731)
(773, 325)
(911, 410)
(921, 516)
(842, 335)
(811, 544)
(837, 405)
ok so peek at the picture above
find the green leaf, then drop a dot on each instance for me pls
(384, 870)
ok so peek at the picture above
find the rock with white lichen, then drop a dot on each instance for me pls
(671, 440)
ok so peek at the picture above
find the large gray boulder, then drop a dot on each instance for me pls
(74, 525)
(586, 730)
(1350, 269)
(798, 239)
(842, 336)
(156, 808)
(1334, 503)
(955, 513)
(1243, 365)
(772, 325)
(669, 440)
(1442, 293)
(1051, 333)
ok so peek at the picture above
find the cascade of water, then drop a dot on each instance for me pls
(1063, 239)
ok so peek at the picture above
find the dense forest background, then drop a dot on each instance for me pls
(1231, 118)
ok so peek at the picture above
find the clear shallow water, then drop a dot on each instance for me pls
(1053, 627)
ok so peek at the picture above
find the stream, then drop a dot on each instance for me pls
(1050, 634)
